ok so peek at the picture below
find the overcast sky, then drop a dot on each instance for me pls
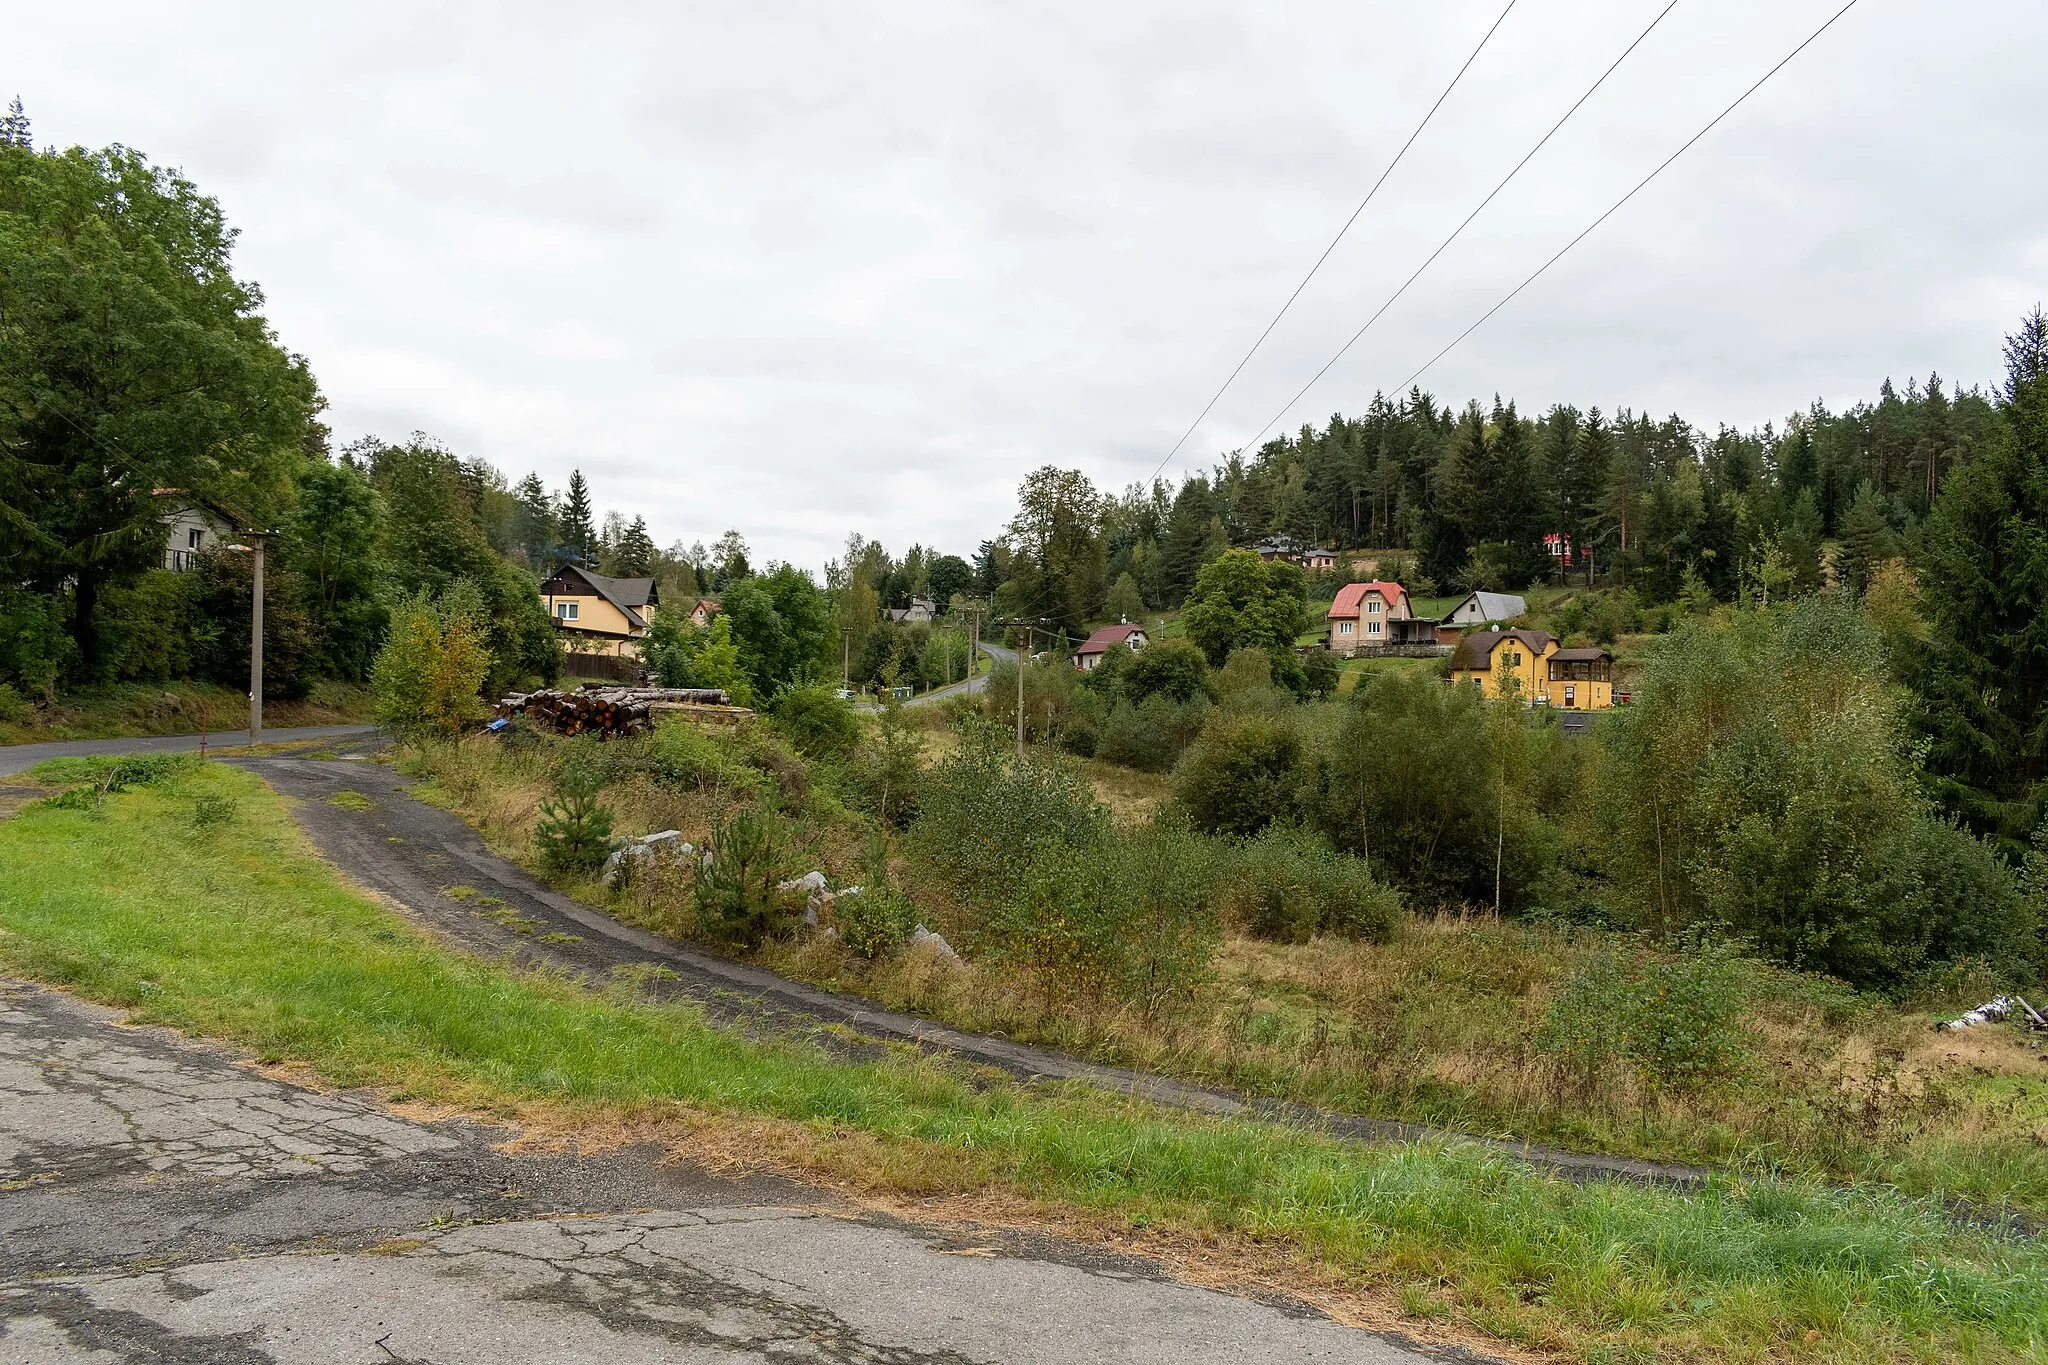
(810, 269)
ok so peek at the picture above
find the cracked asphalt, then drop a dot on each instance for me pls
(165, 1201)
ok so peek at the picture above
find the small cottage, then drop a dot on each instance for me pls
(1363, 615)
(1089, 656)
(597, 614)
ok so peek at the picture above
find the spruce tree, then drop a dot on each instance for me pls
(1985, 685)
(14, 129)
(635, 550)
(1866, 539)
(579, 536)
(534, 522)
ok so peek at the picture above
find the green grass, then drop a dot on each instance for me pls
(245, 935)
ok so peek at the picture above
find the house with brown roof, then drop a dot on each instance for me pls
(1363, 615)
(597, 614)
(701, 612)
(1090, 655)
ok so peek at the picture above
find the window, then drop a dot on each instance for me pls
(193, 537)
(1343, 627)
(1375, 628)
(1372, 604)
(566, 611)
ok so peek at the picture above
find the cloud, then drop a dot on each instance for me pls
(806, 269)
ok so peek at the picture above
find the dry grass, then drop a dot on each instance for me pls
(1436, 1027)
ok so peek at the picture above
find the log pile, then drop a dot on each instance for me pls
(604, 710)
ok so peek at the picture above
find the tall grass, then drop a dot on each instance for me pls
(248, 937)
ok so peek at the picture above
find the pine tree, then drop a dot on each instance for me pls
(579, 535)
(1578, 482)
(14, 128)
(1985, 687)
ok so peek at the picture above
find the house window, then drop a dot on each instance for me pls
(565, 611)
(193, 537)
(1343, 627)
(1372, 605)
(1375, 628)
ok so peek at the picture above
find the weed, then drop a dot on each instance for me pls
(351, 800)
(210, 811)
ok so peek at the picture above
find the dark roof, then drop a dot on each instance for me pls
(1581, 656)
(627, 594)
(1478, 644)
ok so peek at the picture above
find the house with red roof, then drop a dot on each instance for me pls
(1089, 656)
(1363, 616)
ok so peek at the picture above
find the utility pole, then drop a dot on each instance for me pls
(256, 643)
(845, 659)
(1022, 655)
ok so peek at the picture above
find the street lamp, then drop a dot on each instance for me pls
(255, 548)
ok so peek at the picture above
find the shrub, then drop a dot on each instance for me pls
(736, 886)
(1153, 734)
(1175, 669)
(1289, 886)
(817, 722)
(575, 832)
(885, 776)
(427, 674)
(876, 917)
(679, 754)
(984, 817)
(1679, 1020)
(1241, 775)
(14, 708)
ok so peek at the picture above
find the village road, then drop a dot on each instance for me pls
(163, 1201)
(19, 758)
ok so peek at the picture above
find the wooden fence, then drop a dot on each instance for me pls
(611, 667)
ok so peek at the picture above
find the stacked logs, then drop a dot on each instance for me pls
(604, 710)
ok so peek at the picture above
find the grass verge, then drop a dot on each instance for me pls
(234, 929)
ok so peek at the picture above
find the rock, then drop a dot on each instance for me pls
(922, 937)
(812, 883)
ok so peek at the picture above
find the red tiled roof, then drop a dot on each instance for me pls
(1352, 595)
(1107, 636)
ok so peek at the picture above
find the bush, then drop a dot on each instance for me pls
(874, 918)
(885, 777)
(1241, 775)
(679, 754)
(14, 708)
(736, 886)
(427, 674)
(985, 818)
(817, 722)
(1680, 1021)
(575, 832)
(1289, 886)
(1152, 735)
(1761, 783)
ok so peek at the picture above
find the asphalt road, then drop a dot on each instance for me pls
(166, 1202)
(16, 758)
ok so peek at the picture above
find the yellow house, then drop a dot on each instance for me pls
(600, 615)
(1580, 679)
(1504, 663)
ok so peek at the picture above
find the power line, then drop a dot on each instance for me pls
(1630, 195)
(1459, 230)
(1232, 378)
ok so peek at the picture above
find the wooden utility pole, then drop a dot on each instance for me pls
(1022, 655)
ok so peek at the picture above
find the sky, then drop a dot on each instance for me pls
(811, 269)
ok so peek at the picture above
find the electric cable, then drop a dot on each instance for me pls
(1459, 230)
(1534, 275)
(1232, 378)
